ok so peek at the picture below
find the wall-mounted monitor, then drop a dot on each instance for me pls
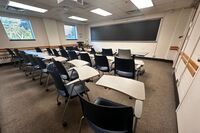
(17, 29)
(70, 32)
(146, 30)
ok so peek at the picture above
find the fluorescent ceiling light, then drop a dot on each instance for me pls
(26, 7)
(101, 12)
(142, 3)
(78, 18)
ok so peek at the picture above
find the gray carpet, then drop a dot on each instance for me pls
(25, 106)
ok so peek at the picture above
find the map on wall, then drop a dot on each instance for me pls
(70, 32)
(17, 29)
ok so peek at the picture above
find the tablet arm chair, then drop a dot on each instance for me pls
(68, 90)
(101, 63)
(107, 52)
(38, 49)
(105, 116)
(86, 57)
(49, 51)
(55, 52)
(125, 67)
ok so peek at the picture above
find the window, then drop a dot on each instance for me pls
(17, 29)
(70, 32)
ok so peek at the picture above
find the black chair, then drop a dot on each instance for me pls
(14, 58)
(16, 51)
(72, 55)
(43, 70)
(65, 75)
(34, 65)
(69, 48)
(92, 51)
(85, 57)
(107, 52)
(55, 52)
(37, 49)
(49, 51)
(105, 116)
(64, 53)
(101, 63)
(26, 64)
(125, 67)
(61, 47)
(66, 90)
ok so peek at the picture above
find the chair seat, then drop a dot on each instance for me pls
(103, 68)
(70, 89)
(125, 74)
(44, 70)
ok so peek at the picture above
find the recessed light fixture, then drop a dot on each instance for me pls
(78, 18)
(26, 7)
(140, 4)
(101, 12)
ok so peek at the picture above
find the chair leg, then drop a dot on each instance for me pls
(58, 102)
(66, 105)
(47, 83)
(33, 73)
(80, 124)
(87, 96)
(135, 125)
(41, 73)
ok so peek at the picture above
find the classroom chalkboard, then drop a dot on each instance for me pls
(146, 30)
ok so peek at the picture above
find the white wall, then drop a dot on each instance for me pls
(38, 28)
(168, 31)
(47, 32)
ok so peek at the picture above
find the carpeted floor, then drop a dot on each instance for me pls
(25, 106)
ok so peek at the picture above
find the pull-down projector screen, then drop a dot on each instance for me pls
(146, 30)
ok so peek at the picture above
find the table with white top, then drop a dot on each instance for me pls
(78, 63)
(130, 87)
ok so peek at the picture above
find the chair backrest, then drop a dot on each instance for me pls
(72, 55)
(16, 52)
(124, 53)
(41, 63)
(101, 60)
(37, 49)
(55, 52)
(24, 57)
(32, 60)
(85, 57)
(64, 53)
(69, 48)
(49, 51)
(111, 118)
(125, 65)
(93, 51)
(61, 69)
(10, 52)
(61, 47)
(107, 52)
(52, 70)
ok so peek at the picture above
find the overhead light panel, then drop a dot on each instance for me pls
(140, 4)
(101, 12)
(26, 7)
(78, 18)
